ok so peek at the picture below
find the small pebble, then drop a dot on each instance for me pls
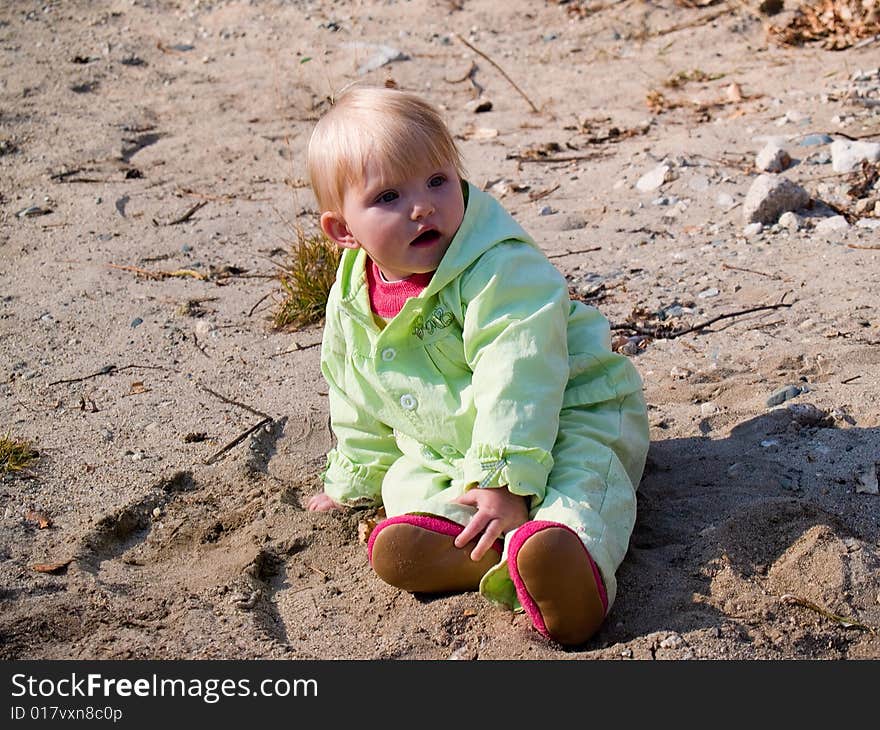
(812, 140)
(673, 641)
(783, 394)
(791, 221)
(136, 322)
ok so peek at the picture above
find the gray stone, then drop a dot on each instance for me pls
(780, 395)
(812, 140)
(771, 195)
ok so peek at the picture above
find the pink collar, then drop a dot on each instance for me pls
(388, 297)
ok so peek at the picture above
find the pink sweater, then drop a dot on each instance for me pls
(388, 297)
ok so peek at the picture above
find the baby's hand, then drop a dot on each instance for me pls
(322, 503)
(498, 511)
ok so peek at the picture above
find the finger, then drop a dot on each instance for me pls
(469, 498)
(471, 530)
(490, 534)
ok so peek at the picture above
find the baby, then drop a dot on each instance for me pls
(468, 394)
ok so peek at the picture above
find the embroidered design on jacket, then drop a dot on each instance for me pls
(439, 319)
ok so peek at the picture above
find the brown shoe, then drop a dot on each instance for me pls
(417, 553)
(557, 582)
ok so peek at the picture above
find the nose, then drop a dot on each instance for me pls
(421, 209)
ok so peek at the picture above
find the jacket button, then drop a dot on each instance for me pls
(408, 402)
(388, 354)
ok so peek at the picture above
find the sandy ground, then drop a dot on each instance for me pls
(757, 524)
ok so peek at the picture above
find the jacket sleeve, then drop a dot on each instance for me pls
(515, 328)
(365, 447)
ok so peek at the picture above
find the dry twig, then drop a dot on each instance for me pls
(572, 253)
(845, 621)
(665, 333)
(186, 215)
(500, 70)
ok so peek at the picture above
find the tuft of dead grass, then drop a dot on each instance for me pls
(306, 280)
(15, 454)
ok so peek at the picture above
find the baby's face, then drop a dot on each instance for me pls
(405, 223)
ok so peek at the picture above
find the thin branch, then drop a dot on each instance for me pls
(298, 347)
(702, 20)
(159, 275)
(237, 440)
(199, 345)
(110, 370)
(731, 267)
(186, 216)
(500, 70)
(658, 333)
(233, 402)
(572, 253)
(259, 302)
(106, 370)
(534, 197)
(845, 621)
(564, 158)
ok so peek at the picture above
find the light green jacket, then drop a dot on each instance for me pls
(471, 375)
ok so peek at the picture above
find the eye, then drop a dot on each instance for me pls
(389, 196)
(436, 181)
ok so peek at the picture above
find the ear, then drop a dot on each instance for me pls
(335, 229)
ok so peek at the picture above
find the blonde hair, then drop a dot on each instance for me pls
(394, 127)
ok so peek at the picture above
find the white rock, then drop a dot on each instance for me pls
(869, 223)
(673, 641)
(847, 155)
(771, 195)
(654, 179)
(205, 328)
(791, 221)
(752, 230)
(773, 158)
(831, 225)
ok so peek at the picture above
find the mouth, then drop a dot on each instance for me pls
(426, 238)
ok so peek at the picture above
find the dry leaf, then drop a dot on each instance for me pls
(138, 387)
(838, 23)
(42, 521)
(368, 524)
(51, 567)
